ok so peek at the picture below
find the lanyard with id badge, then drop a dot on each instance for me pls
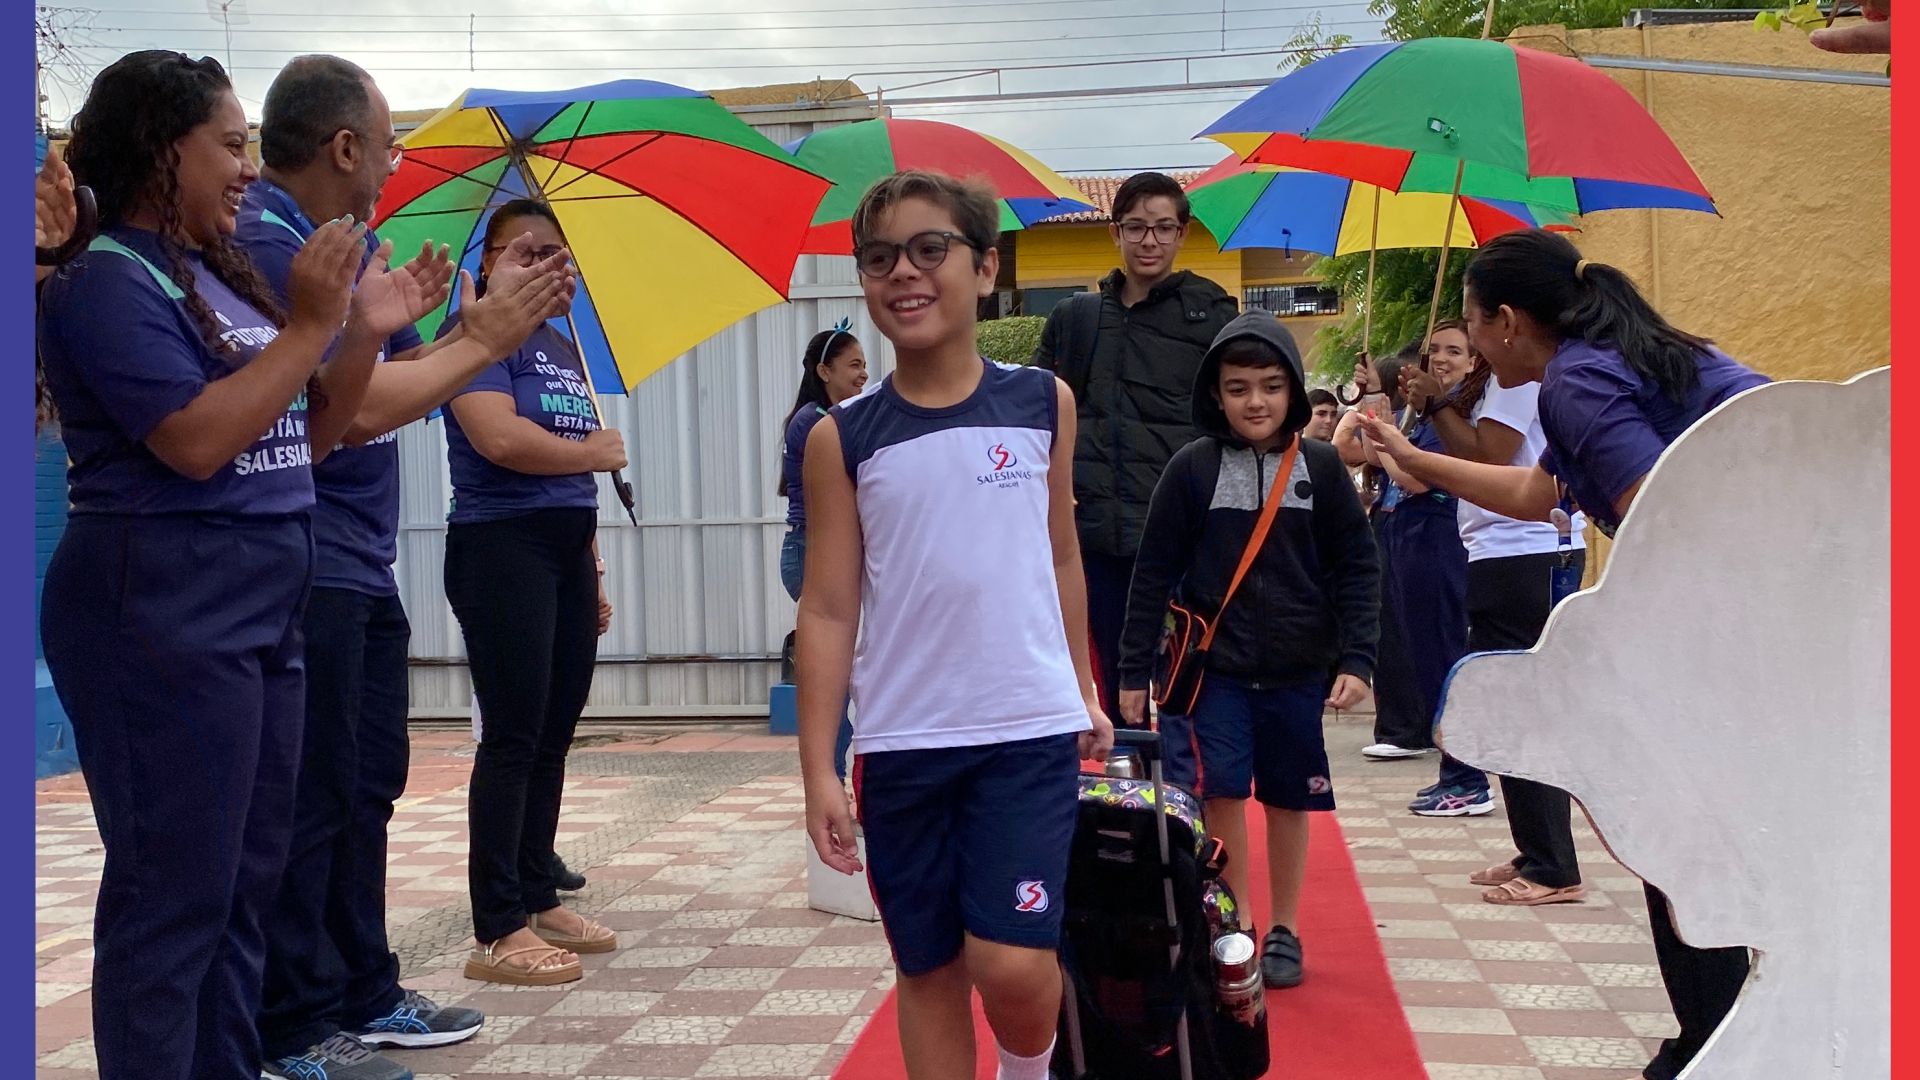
(1566, 572)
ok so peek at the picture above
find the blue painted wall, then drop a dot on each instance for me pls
(53, 735)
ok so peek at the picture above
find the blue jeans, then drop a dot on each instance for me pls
(793, 567)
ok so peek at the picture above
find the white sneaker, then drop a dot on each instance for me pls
(1386, 751)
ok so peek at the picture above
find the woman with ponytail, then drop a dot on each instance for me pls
(833, 370)
(192, 408)
(1618, 384)
(1510, 567)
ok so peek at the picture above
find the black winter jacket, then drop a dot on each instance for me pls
(1134, 406)
(1310, 606)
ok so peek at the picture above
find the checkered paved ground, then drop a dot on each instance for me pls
(693, 844)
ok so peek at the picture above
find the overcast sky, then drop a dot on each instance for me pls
(421, 57)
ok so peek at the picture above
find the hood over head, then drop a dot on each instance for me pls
(1261, 325)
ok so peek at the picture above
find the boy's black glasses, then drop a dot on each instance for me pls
(1134, 232)
(927, 250)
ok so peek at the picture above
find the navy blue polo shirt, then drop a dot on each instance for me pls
(356, 514)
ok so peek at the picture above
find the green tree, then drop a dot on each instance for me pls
(1311, 42)
(1409, 19)
(1402, 293)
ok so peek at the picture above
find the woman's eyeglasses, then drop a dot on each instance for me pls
(540, 254)
(926, 251)
(1135, 231)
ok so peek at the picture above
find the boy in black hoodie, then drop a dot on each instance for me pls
(1300, 632)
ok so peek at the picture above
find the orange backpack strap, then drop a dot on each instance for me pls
(1275, 496)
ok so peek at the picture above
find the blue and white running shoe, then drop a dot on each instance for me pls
(417, 1022)
(1453, 801)
(339, 1057)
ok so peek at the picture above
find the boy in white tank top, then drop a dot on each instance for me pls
(933, 520)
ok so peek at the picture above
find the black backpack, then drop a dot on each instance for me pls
(1080, 334)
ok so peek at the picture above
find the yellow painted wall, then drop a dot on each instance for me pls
(1793, 277)
(1081, 253)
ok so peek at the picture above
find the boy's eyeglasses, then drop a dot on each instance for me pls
(926, 251)
(1135, 231)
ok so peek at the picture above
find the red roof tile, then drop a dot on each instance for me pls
(1100, 188)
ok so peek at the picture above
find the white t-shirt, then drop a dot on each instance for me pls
(1488, 535)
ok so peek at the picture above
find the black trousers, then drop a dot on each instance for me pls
(1108, 579)
(1701, 983)
(1507, 605)
(328, 964)
(175, 644)
(525, 592)
(1397, 716)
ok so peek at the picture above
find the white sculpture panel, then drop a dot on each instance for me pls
(1720, 704)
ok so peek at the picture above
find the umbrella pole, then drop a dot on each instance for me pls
(620, 485)
(1439, 280)
(1366, 332)
(1373, 254)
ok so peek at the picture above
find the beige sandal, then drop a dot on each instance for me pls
(1497, 874)
(1520, 892)
(593, 937)
(488, 965)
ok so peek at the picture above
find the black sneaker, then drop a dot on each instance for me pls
(417, 1022)
(339, 1057)
(1280, 959)
(564, 879)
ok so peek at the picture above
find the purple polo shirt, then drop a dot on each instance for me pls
(356, 514)
(548, 385)
(123, 353)
(1606, 424)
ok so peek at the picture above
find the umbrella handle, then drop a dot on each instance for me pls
(625, 490)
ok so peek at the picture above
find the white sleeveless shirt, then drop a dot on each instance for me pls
(961, 641)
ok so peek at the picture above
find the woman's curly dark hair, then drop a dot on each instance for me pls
(123, 148)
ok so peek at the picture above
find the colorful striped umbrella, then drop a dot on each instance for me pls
(1272, 206)
(856, 155)
(1482, 118)
(682, 220)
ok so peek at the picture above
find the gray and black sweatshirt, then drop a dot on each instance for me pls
(1310, 605)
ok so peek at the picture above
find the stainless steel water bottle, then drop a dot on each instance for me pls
(1236, 973)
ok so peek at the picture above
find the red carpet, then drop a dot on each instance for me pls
(1345, 1021)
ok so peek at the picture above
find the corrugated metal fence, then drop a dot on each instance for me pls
(699, 612)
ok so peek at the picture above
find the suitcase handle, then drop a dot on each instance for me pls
(1142, 740)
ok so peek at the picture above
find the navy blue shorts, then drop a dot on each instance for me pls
(1246, 740)
(969, 840)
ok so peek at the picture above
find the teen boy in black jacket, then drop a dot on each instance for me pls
(1300, 632)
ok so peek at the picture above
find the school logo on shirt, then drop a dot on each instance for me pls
(1006, 471)
(1030, 896)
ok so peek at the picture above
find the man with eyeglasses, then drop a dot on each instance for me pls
(1130, 351)
(332, 987)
